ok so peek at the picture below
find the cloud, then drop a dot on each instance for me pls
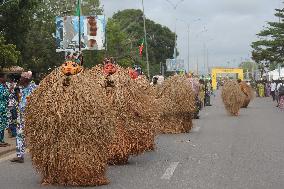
(230, 25)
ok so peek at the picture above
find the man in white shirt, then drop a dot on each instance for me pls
(272, 89)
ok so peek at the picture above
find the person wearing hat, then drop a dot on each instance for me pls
(27, 88)
(4, 97)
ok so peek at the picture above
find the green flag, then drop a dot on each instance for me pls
(78, 8)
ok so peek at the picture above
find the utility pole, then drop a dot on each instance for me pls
(188, 41)
(204, 57)
(207, 61)
(175, 45)
(175, 48)
(197, 68)
(146, 45)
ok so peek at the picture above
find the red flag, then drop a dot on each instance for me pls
(141, 47)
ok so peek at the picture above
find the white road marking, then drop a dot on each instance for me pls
(7, 157)
(196, 129)
(170, 171)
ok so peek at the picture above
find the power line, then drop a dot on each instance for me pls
(175, 5)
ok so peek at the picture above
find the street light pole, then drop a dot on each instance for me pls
(207, 61)
(175, 49)
(203, 50)
(175, 8)
(188, 41)
(146, 45)
(204, 57)
(197, 66)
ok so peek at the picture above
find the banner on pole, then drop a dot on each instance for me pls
(175, 65)
(92, 33)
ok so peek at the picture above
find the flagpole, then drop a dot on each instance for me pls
(146, 45)
(80, 56)
(79, 15)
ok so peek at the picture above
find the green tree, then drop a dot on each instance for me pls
(128, 25)
(269, 49)
(248, 66)
(16, 21)
(8, 53)
(30, 25)
(117, 40)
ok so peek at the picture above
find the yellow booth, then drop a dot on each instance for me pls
(216, 71)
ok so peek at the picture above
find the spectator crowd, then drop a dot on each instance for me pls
(274, 89)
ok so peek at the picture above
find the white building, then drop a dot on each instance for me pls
(274, 75)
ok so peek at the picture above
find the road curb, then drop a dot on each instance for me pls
(7, 151)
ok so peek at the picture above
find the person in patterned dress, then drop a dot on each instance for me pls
(4, 97)
(201, 94)
(194, 83)
(12, 108)
(208, 92)
(27, 88)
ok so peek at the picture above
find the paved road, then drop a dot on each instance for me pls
(245, 152)
(11, 147)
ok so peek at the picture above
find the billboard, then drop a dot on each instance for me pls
(175, 65)
(92, 33)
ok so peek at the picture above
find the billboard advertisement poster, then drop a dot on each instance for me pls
(170, 63)
(180, 65)
(92, 33)
(175, 65)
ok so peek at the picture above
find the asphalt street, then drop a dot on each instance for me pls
(222, 152)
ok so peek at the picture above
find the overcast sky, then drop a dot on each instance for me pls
(225, 27)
